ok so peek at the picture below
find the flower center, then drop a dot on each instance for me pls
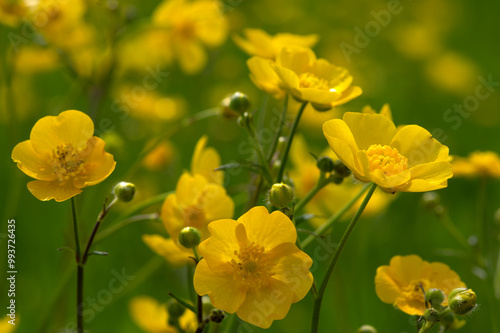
(66, 162)
(309, 80)
(387, 159)
(194, 216)
(185, 30)
(253, 267)
(413, 292)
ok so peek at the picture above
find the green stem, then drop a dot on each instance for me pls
(79, 276)
(279, 178)
(322, 182)
(325, 226)
(260, 153)
(335, 258)
(277, 135)
(230, 323)
(192, 292)
(75, 229)
(453, 230)
(426, 327)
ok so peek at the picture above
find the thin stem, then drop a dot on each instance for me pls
(260, 154)
(454, 231)
(79, 298)
(335, 258)
(277, 135)
(322, 182)
(325, 226)
(75, 229)
(279, 178)
(426, 327)
(192, 292)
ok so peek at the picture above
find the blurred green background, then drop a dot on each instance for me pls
(424, 61)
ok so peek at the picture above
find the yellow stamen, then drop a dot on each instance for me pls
(67, 163)
(387, 159)
(253, 267)
(309, 80)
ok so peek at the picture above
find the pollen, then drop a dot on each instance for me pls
(413, 292)
(310, 80)
(67, 163)
(387, 159)
(253, 268)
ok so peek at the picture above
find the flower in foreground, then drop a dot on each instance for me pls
(252, 267)
(402, 281)
(406, 159)
(63, 156)
(260, 43)
(152, 317)
(477, 164)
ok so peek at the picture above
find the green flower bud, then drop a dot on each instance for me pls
(124, 191)
(189, 237)
(239, 102)
(341, 169)
(462, 300)
(227, 112)
(216, 316)
(431, 315)
(325, 164)
(281, 195)
(175, 309)
(366, 329)
(434, 296)
(244, 120)
(431, 200)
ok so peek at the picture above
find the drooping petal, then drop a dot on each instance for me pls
(47, 190)
(98, 164)
(219, 286)
(262, 306)
(428, 177)
(368, 129)
(31, 162)
(69, 127)
(268, 230)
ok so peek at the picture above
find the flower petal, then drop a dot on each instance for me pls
(205, 160)
(258, 43)
(98, 164)
(191, 55)
(69, 127)
(368, 129)
(264, 76)
(428, 177)
(149, 315)
(348, 95)
(262, 306)
(268, 230)
(219, 286)
(297, 59)
(386, 287)
(219, 248)
(417, 144)
(171, 216)
(47, 190)
(32, 163)
(166, 247)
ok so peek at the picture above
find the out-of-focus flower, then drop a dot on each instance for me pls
(385, 111)
(191, 25)
(152, 317)
(166, 247)
(333, 197)
(196, 203)
(160, 157)
(406, 160)
(12, 12)
(6, 327)
(264, 77)
(402, 281)
(35, 59)
(477, 164)
(313, 80)
(247, 262)
(205, 160)
(63, 156)
(260, 43)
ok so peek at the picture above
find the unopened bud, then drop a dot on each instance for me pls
(366, 329)
(434, 296)
(175, 309)
(227, 112)
(341, 169)
(124, 191)
(431, 200)
(216, 316)
(431, 315)
(281, 195)
(239, 102)
(325, 164)
(462, 300)
(189, 237)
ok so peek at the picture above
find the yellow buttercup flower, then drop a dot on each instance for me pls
(205, 161)
(152, 317)
(63, 156)
(260, 43)
(196, 203)
(406, 160)
(264, 76)
(169, 249)
(191, 24)
(247, 262)
(12, 12)
(400, 283)
(477, 164)
(313, 80)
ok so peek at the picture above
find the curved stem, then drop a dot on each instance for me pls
(426, 327)
(279, 178)
(277, 135)
(335, 258)
(325, 226)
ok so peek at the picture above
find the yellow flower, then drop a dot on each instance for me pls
(478, 164)
(63, 155)
(313, 80)
(252, 267)
(191, 24)
(12, 12)
(385, 111)
(406, 160)
(152, 317)
(332, 197)
(205, 161)
(196, 203)
(166, 247)
(399, 283)
(6, 327)
(264, 77)
(259, 43)
(160, 157)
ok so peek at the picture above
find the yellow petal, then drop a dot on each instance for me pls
(98, 164)
(292, 268)
(191, 55)
(282, 40)
(149, 315)
(318, 96)
(210, 23)
(262, 306)
(368, 129)
(171, 216)
(289, 80)
(32, 163)
(406, 268)
(259, 43)
(347, 95)
(268, 230)
(297, 59)
(428, 177)
(175, 254)
(205, 160)
(47, 190)
(219, 286)
(69, 127)
(264, 76)
(417, 144)
(188, 187)
(217, 204)
(219, 248)
(386, 287)
(410, 306)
